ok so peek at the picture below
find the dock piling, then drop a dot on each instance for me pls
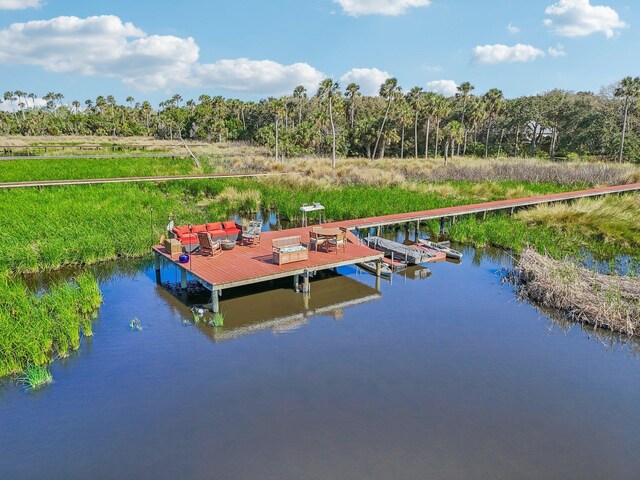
(215, 301)
(183, 279)
(157, 265)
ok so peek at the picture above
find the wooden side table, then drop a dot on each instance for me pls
(173, 246)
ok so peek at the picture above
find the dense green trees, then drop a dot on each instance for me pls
(554, 124)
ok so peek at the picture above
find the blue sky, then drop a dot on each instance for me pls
(151, 50)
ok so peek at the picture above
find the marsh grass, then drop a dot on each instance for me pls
(35, 376)
(36, 325)
(68, 169)
(612, 219)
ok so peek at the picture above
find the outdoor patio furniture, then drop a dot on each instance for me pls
(251, 234)
(289, 249)
(339, 240)
(208, 246)
(330, 237)
(316, 240)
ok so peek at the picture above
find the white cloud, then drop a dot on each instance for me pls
(369, 79)
(257, 76)
(491, 54)
(512, 29)
(108, 47)
(578, 18)
(19, 4)
(557, 51)
(357, 8)
(448, 88)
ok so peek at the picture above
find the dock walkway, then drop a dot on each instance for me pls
(437, 213)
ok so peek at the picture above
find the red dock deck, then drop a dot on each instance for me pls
(252, 264)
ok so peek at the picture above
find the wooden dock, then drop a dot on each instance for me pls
(511, 204)
(245, 265)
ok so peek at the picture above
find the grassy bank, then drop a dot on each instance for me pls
(67, 169)
(36, 326)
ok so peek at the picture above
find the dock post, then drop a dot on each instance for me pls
(157, 265)
(296, 282)
(215, 301)
(378, 268)
(183, 279)
(378, 286)
(442, 226)
(417, 229)
(378, 231)
(306, 286)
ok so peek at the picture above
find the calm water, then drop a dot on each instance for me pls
(445, 376)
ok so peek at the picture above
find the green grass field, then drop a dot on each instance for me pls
(67, 169)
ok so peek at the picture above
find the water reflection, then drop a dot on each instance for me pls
(271, 306)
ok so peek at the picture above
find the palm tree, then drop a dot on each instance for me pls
(464, 89)
(629, 90)
(300, 95)
(327, 92)
(10, 97)
(76, 106)
(453, 134)
(352, 92)
(415, 99)
(276, 106)
(440, 110)
(388, 90)
(494, 101)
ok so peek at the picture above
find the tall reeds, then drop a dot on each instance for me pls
(35, 326)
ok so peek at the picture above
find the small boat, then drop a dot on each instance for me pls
(450, 252)
(371, 267)
(408, 254)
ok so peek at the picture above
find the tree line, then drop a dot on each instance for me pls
(337, 122)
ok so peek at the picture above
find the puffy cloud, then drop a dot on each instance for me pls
(358, 8)
(512, 29)
(557, 51)
(257, 76)
(448, 88)
(369, 79)
(19, 4)
(490, 54)
(578, 18)
(106, 46)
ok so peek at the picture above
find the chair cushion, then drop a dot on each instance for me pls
(231, 231)
(229, 225)
(214, 226)
(198, 228)
(189, 238)
(217, 233)
(292, 248)
(181, 230)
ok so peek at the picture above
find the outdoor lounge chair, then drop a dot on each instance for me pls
(208, 246)
(251, 234)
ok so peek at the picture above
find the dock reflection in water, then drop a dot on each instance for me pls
(272, 306)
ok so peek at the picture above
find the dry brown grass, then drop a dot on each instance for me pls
(605, 301)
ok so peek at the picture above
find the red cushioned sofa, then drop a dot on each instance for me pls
(229, 230)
